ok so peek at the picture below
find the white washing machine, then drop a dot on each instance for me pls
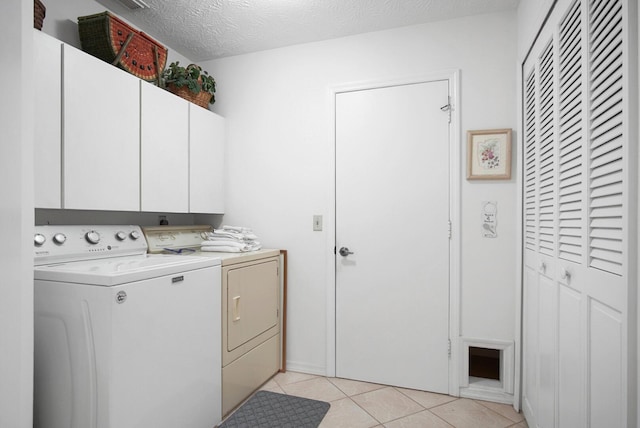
(123, 339)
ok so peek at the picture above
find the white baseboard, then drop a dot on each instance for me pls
(295, 366)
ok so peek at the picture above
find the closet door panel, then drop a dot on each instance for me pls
(530, 342)
(577, 216)
(570, 351)
(547, 343)
(606, 387)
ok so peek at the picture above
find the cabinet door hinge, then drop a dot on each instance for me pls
(449, 348)
(449, 228)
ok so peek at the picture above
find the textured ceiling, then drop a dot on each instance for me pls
(208, 29)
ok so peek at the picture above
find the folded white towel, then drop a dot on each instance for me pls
(223, 239)
(229, 234)
(220, 249)
(242, 246)
(238, 229)
(224, 244)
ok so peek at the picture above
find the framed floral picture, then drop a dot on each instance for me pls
(489, 154)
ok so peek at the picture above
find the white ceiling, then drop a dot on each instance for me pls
(208, 29)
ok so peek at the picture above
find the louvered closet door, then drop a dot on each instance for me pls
(576, 218)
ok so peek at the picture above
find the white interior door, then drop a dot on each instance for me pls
(392, 213)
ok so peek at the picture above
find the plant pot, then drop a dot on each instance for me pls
(202, 98)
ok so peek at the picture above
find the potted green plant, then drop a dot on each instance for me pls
(191, 83)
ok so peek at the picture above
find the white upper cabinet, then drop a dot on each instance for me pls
(48, 110)
(105, 140)
(164, 145)
(101, 135)
(206, 172)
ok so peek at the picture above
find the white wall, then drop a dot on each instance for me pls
(16, 215)
(531, 15)
(637, 279)
(277, 107)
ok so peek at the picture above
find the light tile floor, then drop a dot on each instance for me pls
(359, 404)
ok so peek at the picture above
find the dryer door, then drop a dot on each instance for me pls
(252, 302)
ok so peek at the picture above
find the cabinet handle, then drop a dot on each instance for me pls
(236, 308)
(565, 274)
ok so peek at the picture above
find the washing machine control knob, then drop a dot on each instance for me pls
(134, 235)
(59, 238)
(121, 236)
(92, 237)
(39, 239)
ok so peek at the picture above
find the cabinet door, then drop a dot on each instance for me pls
(206, 172)
(164, 143)
(48, 116)
(101, 137)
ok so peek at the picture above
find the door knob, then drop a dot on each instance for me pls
(344, 251)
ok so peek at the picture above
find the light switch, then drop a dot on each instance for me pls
(317, 223)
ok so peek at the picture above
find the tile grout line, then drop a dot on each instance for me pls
(481, 402)
(428, 409)
(423, 408)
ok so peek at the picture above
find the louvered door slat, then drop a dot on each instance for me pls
(605, 17)
(546, 154)
(570, 201)
(572, 140)
(605, 104)
(606, 136)
(571, 128)
(609, 74)
(569, 166)
(615, 234)
(530, 206)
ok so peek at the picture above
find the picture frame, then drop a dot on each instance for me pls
(489, 154)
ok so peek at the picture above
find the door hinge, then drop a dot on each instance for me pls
(449, 228)
(449, 348)
(447, 108)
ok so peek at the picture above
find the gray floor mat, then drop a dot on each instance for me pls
(272, 410)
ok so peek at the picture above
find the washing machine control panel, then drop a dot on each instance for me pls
(54, 244)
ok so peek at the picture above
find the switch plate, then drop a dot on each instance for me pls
(317, 223)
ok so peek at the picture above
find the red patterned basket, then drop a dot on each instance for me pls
(107, 37)
(39, 12)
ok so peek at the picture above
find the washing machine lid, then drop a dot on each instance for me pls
(121, 270)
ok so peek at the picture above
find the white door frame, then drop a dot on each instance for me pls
(455, 171)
